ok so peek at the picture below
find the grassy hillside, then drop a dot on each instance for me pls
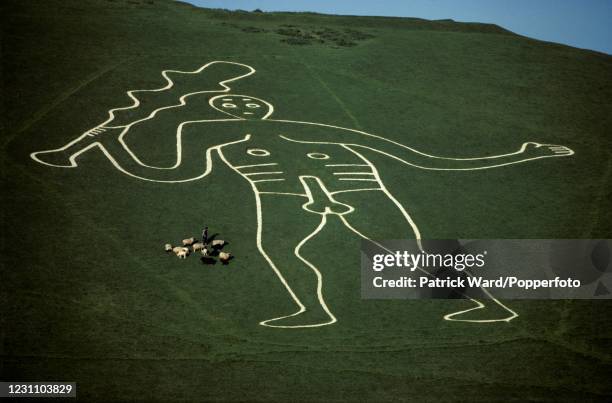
(89, 296)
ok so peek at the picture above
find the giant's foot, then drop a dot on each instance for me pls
(302, 319)
(491, 312)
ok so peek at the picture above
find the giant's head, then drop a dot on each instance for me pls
(242, 106)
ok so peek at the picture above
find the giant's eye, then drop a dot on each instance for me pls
(228, 105)
(253, 106)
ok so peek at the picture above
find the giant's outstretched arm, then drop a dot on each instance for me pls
(357, 139)
(193, 158)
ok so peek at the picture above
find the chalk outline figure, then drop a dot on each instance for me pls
(352, 141)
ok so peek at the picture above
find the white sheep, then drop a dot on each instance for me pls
(218, 243)
(183, 253)
(180, 249)
(198, 246)
(188, 241)
(204, 251)
(224, 256)
(168, 247)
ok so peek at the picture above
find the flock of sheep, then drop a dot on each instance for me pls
(190, 245)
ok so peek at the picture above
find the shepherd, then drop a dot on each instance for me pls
(205, 235)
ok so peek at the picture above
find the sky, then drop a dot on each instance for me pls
(583, 24)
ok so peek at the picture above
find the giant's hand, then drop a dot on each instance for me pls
(538, 150)
(65, 156)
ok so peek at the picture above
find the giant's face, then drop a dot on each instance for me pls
(242, 106)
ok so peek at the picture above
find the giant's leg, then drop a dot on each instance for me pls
(379, 216)
(284, 230)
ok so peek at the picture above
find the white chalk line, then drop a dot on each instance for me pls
(345, 165)
(353, 173)
(523, 147)
(246, 138)
(521, 150)
(170, 84)
(383, 188)
(301, 307)
(179, 143)
(282, 193)
(264, 173)
(354, 190)
(136, 103)
(268, 180)
(256, 165)
(260, 247)
(269, 105)
(296, 252)
(208, 170)
(479, 305)
(328, 194)
(557, 150)
(309, 196)
(417, 234)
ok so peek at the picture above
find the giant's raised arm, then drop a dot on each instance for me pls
(357, 139)
(179, 89)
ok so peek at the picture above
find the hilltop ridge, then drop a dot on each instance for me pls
(353, 20)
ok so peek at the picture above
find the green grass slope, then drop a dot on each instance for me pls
(89, 296)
